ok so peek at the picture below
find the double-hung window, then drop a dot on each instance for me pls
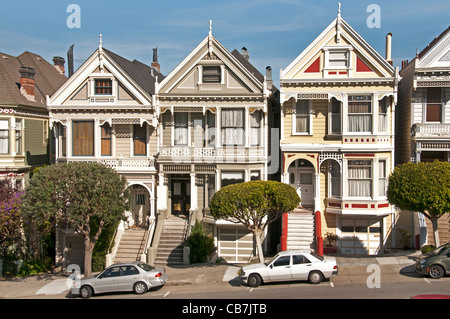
(382, 115)
(302, 117)
(140, 140)
(382, 178)
(83, 138)
(233, 127)
(19, 136)
(181, 128)
(255, 128)
(360, 113)
(4, 136)
(335, 116)
(106, 139)
(434, 105)
(211, 74)
(360, 178)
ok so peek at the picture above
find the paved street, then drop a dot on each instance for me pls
(370, 277)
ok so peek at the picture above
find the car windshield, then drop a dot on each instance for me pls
(145, 266)
(441, 249)
(269, 262)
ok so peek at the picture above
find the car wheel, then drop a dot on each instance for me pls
(254, 280)
(436, 271)
(315, 277)
(85, 292)
(140, 288)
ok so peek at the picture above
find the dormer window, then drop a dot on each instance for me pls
(103, 86)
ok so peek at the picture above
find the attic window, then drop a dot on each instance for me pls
(211, 74)
(103, 87)
(338, 59)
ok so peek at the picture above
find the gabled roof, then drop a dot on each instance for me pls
(138, 71)
(433, 43)
(437, 53)
(212, 45)
(335, 29)
(47, 79)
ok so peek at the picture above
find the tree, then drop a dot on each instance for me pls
(256, 204)
(86, 197)
(422, 187)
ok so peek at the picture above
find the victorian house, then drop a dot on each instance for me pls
(214, 114)
(105, 113)
(25, 80)
(423, 117)
(337, 141)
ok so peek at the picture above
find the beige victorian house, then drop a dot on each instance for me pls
(337, 141)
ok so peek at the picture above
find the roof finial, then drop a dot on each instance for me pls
(100, 53)
(210, 27)
(338, 25)
(210, 38)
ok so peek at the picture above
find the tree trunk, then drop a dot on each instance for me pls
(257, 233)
(434, 221)
(88, 249)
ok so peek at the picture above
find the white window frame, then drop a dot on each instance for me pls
(349, 179)
(294, 118)
(336, 49)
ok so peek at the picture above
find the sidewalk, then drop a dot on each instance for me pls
(350, 268)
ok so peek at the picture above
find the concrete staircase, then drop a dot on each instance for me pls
(300, 229)
(170, 248)
(131, 245)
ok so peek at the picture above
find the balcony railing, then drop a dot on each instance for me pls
(147, 163)
(431, 129)
(211, 154)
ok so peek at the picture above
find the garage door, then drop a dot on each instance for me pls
(360, 236)
(235, 244)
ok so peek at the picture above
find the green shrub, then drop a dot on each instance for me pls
(200, 244)
(34, 267)
(427, 248)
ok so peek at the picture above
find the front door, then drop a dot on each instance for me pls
(181, 197)
(302, 179)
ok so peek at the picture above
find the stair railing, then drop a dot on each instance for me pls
(148, 241)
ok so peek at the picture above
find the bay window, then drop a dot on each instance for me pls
(255, 128)
(19, 136)
(139, 140)
(382, 178)
(382, 115)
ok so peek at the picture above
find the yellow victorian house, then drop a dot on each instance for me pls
(337, 141)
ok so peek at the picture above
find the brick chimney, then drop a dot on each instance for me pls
(27, 83)
(244, 53)
(58, 63)
(155, 63)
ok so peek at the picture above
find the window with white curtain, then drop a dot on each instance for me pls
(382, 115)
(229, 178)
(360, 113)
(382, 178)
(181, 128)
(233, 127)
(18, 136)
(335, 178)
(302, 117)
(255, 128)
(4, 136)
(359, 178)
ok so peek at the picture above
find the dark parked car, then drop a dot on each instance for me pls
(134, 276)
(435, 264)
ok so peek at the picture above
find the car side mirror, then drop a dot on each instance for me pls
(271, 266)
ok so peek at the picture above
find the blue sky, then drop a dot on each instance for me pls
(274, 31)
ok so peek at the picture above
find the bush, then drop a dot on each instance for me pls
(427, 248)
(200, 244)
(34, 267)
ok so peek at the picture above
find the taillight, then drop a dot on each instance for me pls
(158, 275)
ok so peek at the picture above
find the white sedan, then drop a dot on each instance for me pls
(290, 266)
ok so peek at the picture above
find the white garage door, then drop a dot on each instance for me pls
(235, 244)
(360, 236)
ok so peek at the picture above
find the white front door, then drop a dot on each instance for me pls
(302, 179)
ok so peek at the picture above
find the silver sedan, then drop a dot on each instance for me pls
(134, 276)
(290, 266)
